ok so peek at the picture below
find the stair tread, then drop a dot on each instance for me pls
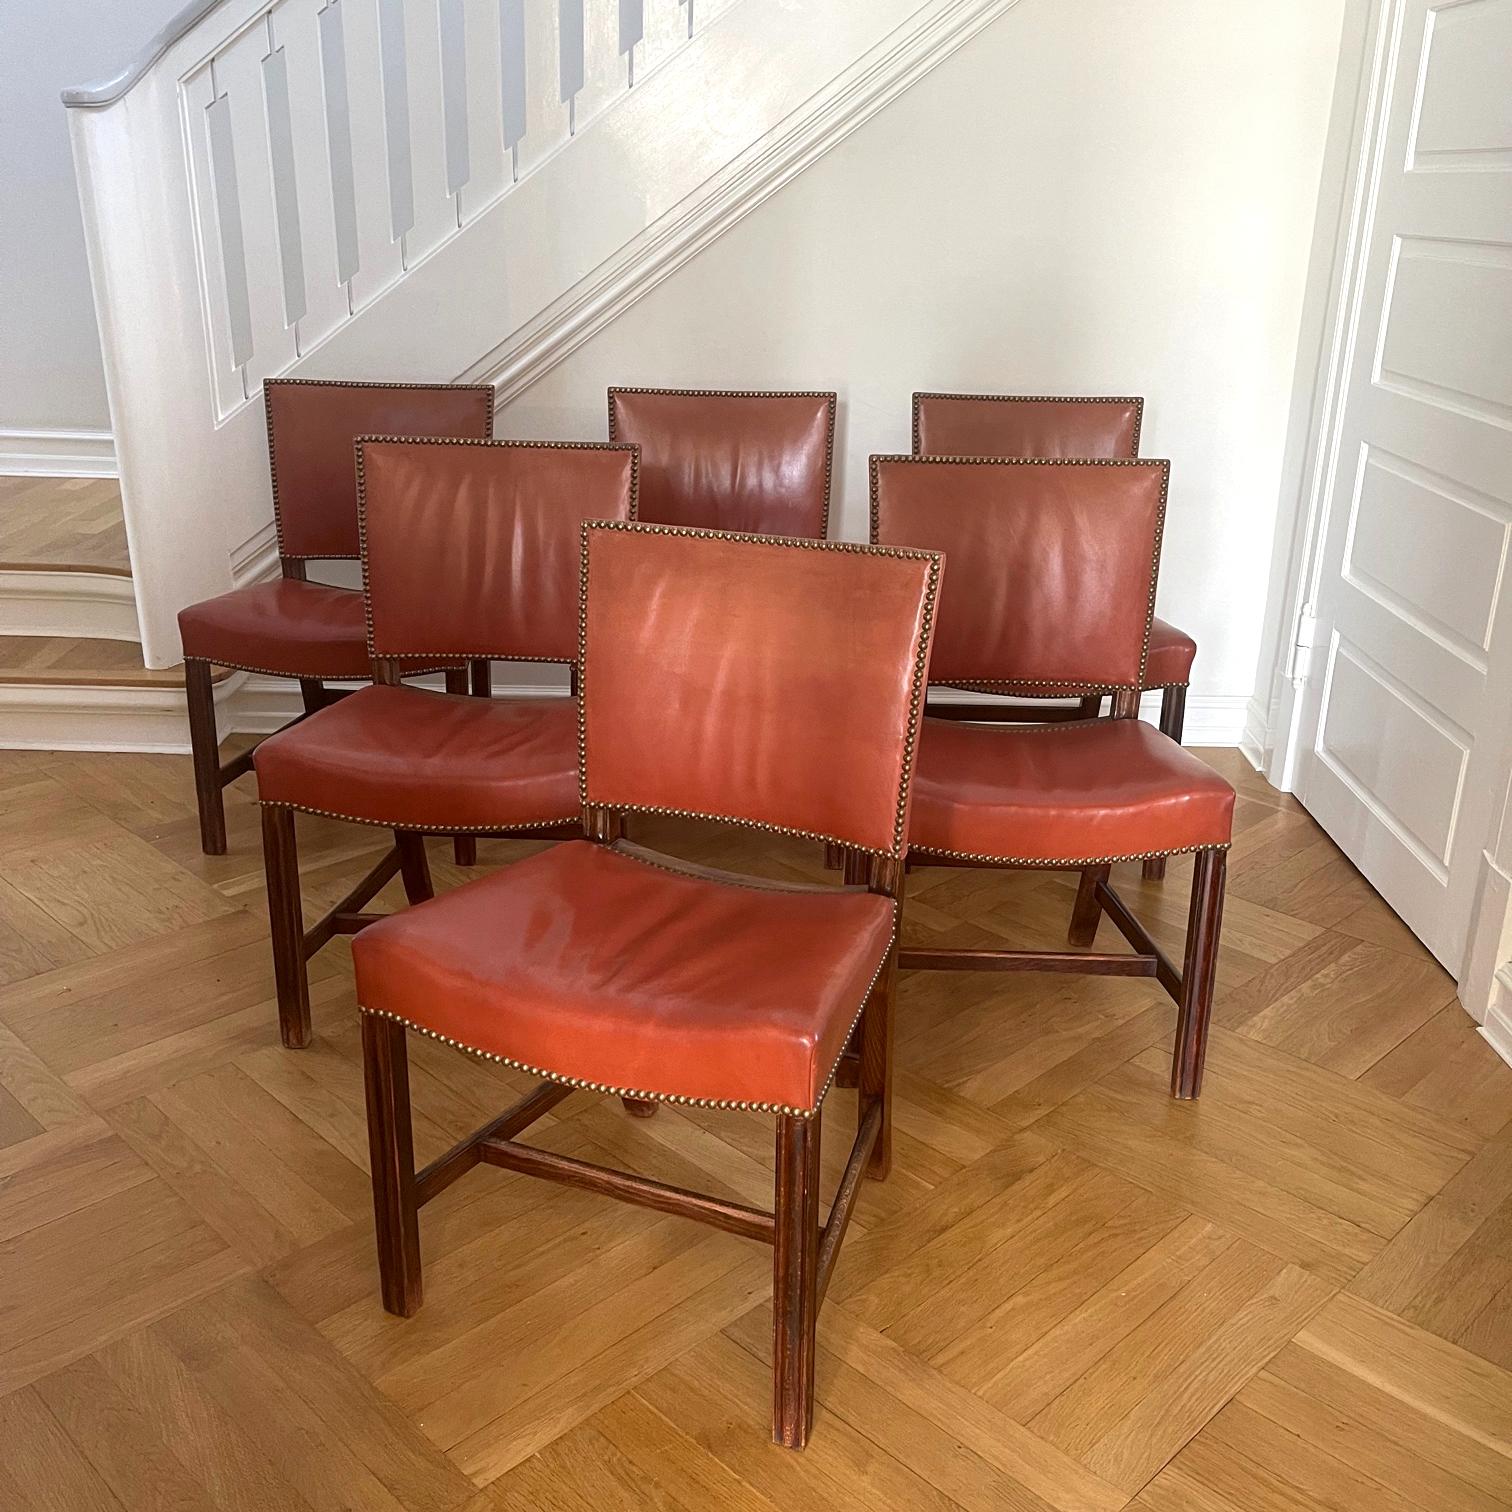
(63, 524)
(64, 661)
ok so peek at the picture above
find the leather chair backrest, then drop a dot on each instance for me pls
(1052, 565)
(775, 683)
(473, 548)
(758, 462)
(1024, 425)
(312, 426)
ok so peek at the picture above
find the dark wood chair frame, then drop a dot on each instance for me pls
(1172, 695)
(1190, 988)
(293, 944)
(803, 1250)
(211, 774)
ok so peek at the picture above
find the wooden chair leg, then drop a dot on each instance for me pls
(1091, 706)
(391, 1154)
(1198, 972)
(204, 746)
(1172, 723)
(834, 856)
(414, 868)
(875, 1082)
(1087, 910)
(795, 1266)
(480, 677)
(639, 1107)
(286, 919)
(312, 694)
(464, 847)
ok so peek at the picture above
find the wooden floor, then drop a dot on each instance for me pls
(1072, 1293)
(69, 661)
(63, 522)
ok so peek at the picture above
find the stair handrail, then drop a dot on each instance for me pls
(108, 91)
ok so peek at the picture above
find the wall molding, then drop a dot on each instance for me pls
(1497, 1029)
(63, 601)
(850, 100)
(257, 557)
(57, 453)
(1256, 732)
(59, 717)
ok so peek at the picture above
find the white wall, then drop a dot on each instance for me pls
(50, 372)
(1093, 196)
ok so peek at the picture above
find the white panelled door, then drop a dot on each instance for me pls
(1408, 710)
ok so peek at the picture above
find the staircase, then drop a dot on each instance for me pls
(421, 189)
(71, 669)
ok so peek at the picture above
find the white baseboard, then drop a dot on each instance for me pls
(1212, 719)
(46, 718)
(39, 717)
(1497, 1029)
(57, 453)
(1255, 734)
(91, 605)
(265, 704)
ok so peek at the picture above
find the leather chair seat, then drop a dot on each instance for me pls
(409, 758)
(1089, 791)
(626, 972)
(1169, 660)
(291, 628)
(1170, 655)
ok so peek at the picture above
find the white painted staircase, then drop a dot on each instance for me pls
(414, 189)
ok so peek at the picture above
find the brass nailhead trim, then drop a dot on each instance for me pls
(985, 685)
(503, 831)
(916, 692)
(1057, 728)
(730, 1103)
(362, 546)
(1026, 864)
(677, 393)
(1087, 691)
(1165, 484)
(1133, 399)
(270, 383)
(319, 676)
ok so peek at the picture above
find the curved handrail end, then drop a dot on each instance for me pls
(108, 91)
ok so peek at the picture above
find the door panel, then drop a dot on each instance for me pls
(1404, 721)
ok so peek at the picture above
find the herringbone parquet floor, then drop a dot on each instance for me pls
(1072, 1294)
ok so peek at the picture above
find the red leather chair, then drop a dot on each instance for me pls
(599, 965)
(1052, 582)
(291, 627)
(469, 553)
(1013, 425)
(754, 462)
